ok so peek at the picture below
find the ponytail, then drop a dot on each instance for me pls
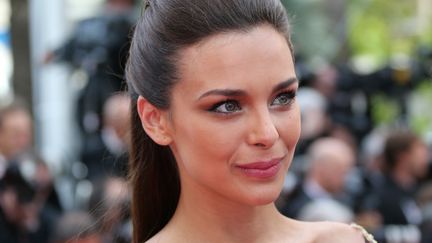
(155, 182)
(165, 28)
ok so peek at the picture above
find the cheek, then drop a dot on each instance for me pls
(204, 153)
(199, 140)
(289, 128)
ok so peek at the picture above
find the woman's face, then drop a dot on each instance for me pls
(234, 119)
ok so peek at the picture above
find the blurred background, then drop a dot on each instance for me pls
(364, 156)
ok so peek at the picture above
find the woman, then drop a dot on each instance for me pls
(215, 124)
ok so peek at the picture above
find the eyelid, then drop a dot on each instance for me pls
(291, 93)
(214, 107)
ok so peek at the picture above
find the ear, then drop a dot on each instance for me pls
(154, 121)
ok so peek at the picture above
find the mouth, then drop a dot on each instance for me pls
(261, 169)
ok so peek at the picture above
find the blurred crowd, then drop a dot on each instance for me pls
(30, 205)
(349, 168)
(346, 167)
(31, 209)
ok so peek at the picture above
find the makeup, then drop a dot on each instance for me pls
(261, 170)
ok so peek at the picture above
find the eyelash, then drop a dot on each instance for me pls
(290, 95)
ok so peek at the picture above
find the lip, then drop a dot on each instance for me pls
(261, 169)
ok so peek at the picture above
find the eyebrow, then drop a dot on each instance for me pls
(239, 92)
(284, 84)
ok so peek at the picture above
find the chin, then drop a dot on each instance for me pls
(263, 201)
(263, 194)
(264, 197)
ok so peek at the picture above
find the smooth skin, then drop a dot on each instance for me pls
(234, 105)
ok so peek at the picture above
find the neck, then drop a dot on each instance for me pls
(203, 215)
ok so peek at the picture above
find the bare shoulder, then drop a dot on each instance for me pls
(166, 235)
(158, 238)
(326, 232)
(154, 239)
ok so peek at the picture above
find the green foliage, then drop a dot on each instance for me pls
(375, 28)
(314, 32)
(420, 108)
(381, 28)
(385, 110)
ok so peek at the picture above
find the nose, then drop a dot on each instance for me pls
(262, 131)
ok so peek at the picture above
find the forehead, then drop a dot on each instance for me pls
(260, 53)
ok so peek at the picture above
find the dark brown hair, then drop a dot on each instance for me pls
(164, 29)
(397, 143)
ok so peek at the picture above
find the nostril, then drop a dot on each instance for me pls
(260, 145)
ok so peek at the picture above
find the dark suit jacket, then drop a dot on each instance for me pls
(395, 203)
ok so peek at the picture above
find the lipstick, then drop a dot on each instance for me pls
(261, 170)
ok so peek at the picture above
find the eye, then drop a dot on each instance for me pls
(284, 98)
(228, 106)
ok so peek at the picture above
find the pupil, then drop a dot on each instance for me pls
(230, 106)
